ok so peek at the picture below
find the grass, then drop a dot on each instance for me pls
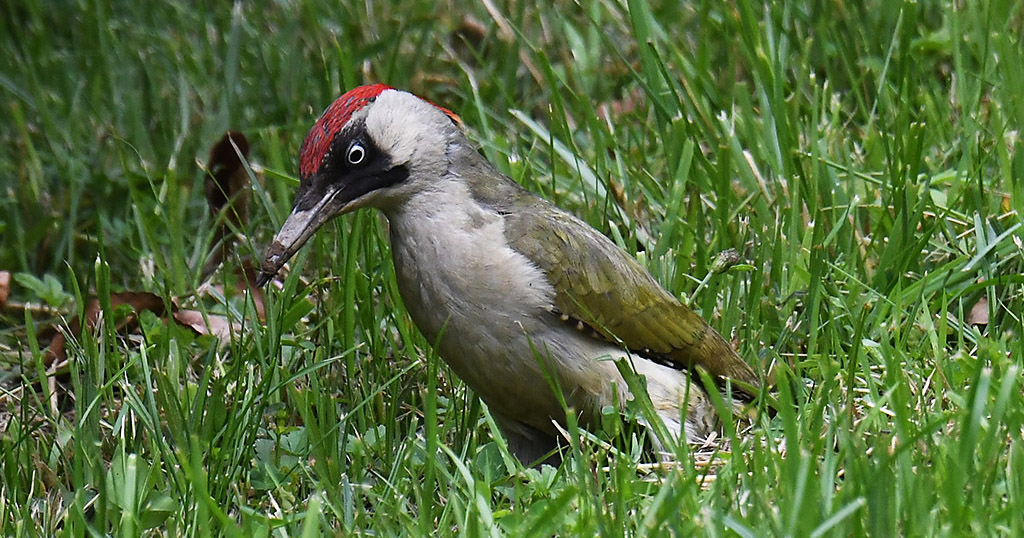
(864, 160)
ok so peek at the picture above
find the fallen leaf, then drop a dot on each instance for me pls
(56, 350)
(217, 326)
(979, 313)
(227, 177)
(249, 273)
(5, 286)
(227, 194)
(627, 105)
(472, 31)
(137, 300)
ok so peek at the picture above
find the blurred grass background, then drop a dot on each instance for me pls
(863, 158)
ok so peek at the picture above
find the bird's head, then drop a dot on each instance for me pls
(373, 147)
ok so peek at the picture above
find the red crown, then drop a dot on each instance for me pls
(320, 137)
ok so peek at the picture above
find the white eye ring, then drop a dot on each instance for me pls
(356, 154)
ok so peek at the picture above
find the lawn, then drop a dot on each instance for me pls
(863, 159)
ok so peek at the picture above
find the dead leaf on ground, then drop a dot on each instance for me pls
(227, 194)
(5, 286)
(139, 301)
(227, 179)
(979, 313)
(214, 325)
(628, 104)
(247, 274)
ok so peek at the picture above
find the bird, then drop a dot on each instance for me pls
(529, 305)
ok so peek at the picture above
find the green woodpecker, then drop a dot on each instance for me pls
(520, 296)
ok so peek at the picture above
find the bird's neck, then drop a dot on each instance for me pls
(451, 255)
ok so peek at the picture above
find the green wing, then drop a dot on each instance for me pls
(599, 284)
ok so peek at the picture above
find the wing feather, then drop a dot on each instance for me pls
(600, 284)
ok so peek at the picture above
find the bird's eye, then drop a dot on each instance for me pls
(356, 154)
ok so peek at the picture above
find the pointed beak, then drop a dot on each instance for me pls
(300, 225)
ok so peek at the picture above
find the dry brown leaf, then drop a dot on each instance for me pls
(979, 313)
(5, 286)
(472, 31)
(227, 194)
(57, 350)
(248, 273)
(213, 325)
(627, 105)
(138, 300)
(227, 179)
